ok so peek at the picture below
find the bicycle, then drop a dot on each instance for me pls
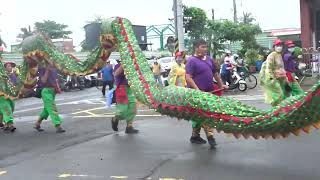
(251, 80)
(304, 73)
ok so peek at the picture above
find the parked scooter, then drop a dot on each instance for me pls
(73, 82)
(87, 81)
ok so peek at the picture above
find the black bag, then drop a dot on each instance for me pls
(288, 88)
(114, 97)
(37, 93)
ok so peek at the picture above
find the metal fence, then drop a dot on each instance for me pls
(311, 57)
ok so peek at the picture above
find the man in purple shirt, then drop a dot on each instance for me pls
(49, 87)
(11, 72)
(126, 103)
(200, 71)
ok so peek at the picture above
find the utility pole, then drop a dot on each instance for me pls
(175, 17)
(178, 23)
(212, 13)
(235, 19)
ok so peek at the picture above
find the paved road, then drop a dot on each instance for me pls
(91, 150)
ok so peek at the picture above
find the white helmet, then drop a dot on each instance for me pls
(228, 51)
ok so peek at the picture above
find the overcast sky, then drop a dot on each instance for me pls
(270, 14)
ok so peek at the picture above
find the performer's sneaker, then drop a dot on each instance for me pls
(38, 128)
(131, 130)
(60, 130)
(114, 123)
(197, 140)
(9, 129)
(212, 142)
(1, 125)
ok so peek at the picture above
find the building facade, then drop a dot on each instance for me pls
(93, 30)
(310, 23)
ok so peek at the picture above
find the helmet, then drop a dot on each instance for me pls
(277, 42)
(235, 56)
(228, 51)
(289, 43)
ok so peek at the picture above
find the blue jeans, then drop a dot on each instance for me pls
(157, 78)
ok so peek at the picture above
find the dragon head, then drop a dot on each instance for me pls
(108, 39)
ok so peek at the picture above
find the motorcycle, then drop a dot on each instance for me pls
(237, 81)
(73, 82)
(87, 81)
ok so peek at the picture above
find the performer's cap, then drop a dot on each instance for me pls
(277, 42)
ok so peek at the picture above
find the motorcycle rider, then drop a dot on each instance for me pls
(226, 71)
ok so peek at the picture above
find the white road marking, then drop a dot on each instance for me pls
(3, 173)
(119, 177)
(89, 101)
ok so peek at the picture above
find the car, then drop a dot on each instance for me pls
(165, 63)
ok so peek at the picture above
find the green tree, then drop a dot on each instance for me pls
(52, 29)
(248, 33)
(196, 25)
(219, 33)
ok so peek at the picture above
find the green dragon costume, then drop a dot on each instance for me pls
(224, 114)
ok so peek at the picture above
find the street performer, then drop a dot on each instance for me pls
(126, 103)
(273, 76)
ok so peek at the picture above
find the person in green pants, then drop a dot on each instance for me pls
(49, 87)
(126, 104)
(200, 71)
(6, 114)
(7, 104)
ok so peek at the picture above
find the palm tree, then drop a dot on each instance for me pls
(247, 18)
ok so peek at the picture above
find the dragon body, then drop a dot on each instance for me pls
(293, 115)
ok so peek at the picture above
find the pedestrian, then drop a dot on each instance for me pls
(200, 71)
(177, 75)
(290, 61)
(48, 88)
(156, 70)
(107, 76)
(273, 78)
(7, 104)
(125, 101)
